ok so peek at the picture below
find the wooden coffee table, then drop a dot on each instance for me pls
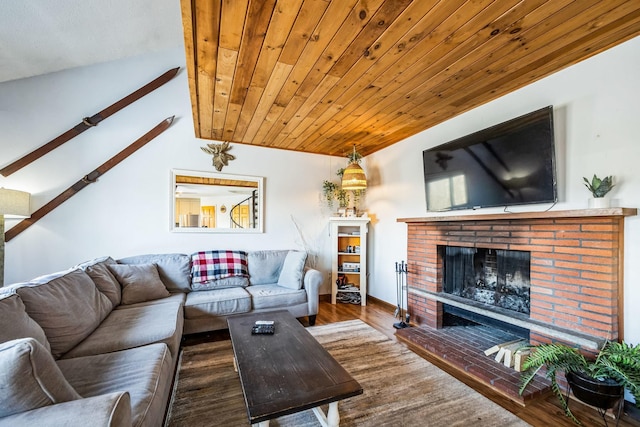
(287, 372)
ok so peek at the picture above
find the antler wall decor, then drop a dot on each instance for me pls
(220, 156)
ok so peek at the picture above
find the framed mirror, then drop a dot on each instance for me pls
(207, 202)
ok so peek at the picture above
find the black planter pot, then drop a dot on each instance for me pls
(602, 394)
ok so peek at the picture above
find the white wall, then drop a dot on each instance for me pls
(597, 131)
(127, 211)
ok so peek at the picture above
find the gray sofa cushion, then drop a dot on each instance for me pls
(144, 372)
(265, 266)
(103, 278)
(16, 323)
(174, 269)
(107, 410)
(227, 282)
(135, 326)
(140, 282)
(293, 270)
(219, 302)
(68, 308)
(270, 296)
(30, 378)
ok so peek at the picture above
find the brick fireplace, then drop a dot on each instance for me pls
(576, 269)
(575, 288)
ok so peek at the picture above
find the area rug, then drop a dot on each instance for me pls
(400, 388)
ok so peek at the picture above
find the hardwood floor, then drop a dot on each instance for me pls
(543, 412)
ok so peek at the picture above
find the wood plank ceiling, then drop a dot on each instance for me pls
(321, 75)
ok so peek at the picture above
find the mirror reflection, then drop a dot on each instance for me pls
(216, 202)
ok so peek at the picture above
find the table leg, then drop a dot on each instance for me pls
(235, 365)
(333, 416)
(332, 419)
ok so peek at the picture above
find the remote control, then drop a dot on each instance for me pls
(263, 330)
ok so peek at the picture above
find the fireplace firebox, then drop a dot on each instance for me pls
(495, 277)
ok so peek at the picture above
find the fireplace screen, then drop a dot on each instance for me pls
(495, 277)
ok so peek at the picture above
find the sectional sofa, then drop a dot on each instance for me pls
(99, 344)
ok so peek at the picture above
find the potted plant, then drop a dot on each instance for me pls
(599, 188)
(329, 190)
(600, 382)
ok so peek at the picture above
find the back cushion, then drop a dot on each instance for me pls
(174, 269)
(30, 378)
(16, 323)
(292, 272)
(68, 308)
(265, 266)
(102, 277)
(140, 282)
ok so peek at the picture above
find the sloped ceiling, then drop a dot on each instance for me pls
(43, 36)
(321, 75)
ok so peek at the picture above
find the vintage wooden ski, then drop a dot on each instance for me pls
(88, 122)
(88, 179)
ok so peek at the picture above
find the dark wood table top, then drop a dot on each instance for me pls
(286, 372)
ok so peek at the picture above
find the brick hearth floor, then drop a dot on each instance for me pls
(463, 348)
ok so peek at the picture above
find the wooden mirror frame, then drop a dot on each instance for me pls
(213, 190)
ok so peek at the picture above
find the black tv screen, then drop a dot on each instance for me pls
(507, 164)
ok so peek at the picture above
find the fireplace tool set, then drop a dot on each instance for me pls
(402, 296)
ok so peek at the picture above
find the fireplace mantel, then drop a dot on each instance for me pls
(576, 213)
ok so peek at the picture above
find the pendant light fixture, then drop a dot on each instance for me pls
(353, 177)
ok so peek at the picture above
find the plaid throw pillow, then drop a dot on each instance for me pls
(213, 265)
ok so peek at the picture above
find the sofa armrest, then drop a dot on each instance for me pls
(113, 409)
(312, 282)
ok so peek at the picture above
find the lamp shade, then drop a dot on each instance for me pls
(354, 178)
(14, 203)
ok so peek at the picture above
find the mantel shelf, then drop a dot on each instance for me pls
(527, 215)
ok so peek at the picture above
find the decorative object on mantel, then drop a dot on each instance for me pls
(88, 123)
(599, 189)
(355, 181)
(13, 204)
(600, 382)
(89, 178)
(220, 156)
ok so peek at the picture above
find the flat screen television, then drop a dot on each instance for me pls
(507, 164)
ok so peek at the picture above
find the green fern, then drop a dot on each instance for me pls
(617, 361)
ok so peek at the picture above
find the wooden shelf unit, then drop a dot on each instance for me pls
(349, 233)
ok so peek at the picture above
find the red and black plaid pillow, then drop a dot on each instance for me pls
(213, 265)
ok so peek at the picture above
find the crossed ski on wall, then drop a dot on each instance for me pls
(90, 178)
(88, 123)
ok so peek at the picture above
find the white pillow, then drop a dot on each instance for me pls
(293, 270)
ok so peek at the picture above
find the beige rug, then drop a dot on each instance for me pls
(400, 388)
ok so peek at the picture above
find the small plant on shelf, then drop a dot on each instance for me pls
(599, 187)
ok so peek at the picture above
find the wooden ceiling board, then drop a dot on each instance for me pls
(322, 75)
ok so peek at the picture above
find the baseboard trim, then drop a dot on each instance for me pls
(378, 301)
